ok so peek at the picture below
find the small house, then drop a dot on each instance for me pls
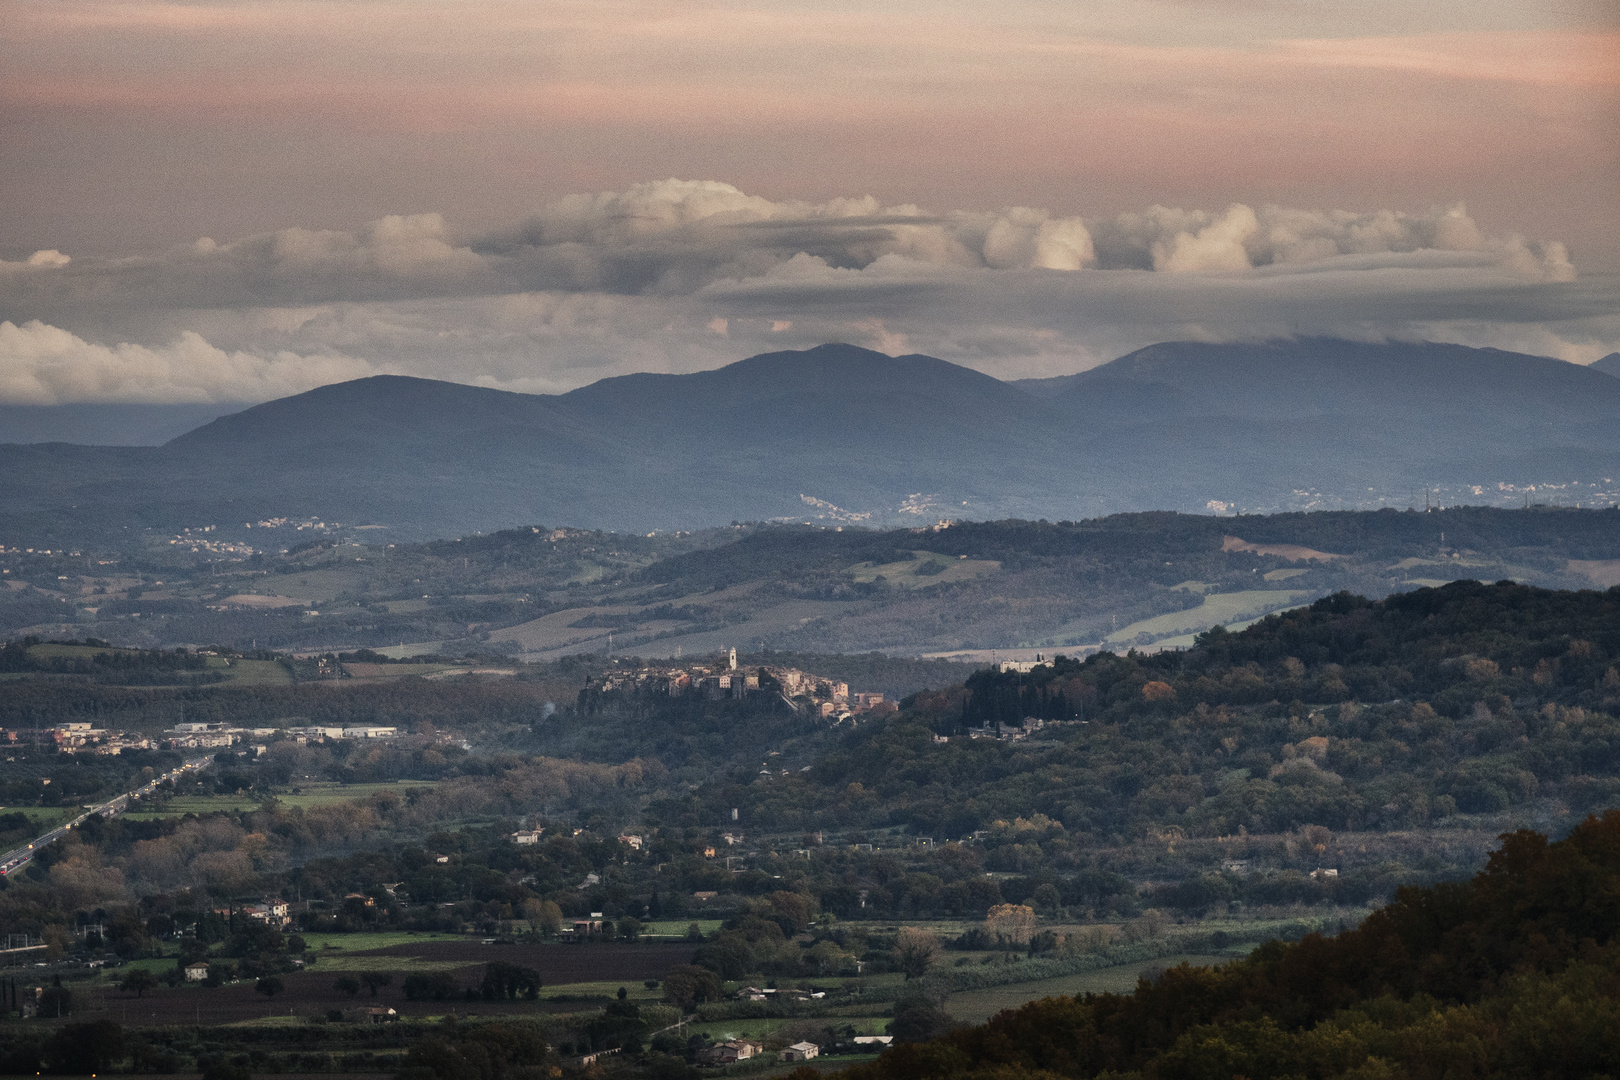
(728, 1053)
(801, 1051)
(196, 972)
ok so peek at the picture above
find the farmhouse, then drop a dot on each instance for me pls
(270, 912)
(801, 1051)
(728, 1053)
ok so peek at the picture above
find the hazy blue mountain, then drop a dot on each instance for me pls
(104, 425)
(1335, 415)
(1324, 377)
(1609, 365)
(847, 435)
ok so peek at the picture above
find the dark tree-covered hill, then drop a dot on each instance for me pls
(1513, 973)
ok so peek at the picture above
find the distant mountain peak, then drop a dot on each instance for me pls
(1307, 423)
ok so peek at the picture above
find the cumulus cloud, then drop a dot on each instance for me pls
(674, 237)
(45, 365)
(1242, 238)
(1218, 246)
(679, 275)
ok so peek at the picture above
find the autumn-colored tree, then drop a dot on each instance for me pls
(1158, 692)
(1010, 924)
(549, 918)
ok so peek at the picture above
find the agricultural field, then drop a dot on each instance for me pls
(253, 672)
(761, 1028)
(396, 671)
(565, 970)
(923, 569)
(977, 1006)
(244, 671)
(676, 928)
(557, 964)
(44, 818)
(364, 942)
(1218, 609)
(304, 796)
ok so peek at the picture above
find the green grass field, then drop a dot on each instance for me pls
(72, 652)
(336, 963)
(394, 671)
(676, 928)
(254, 672)
(761, 1027)
(317, 794)
(977, 1006)
(608, 988)
(1217, 609)
(327, 944)
(938, 569)
(243, 672)
(308, 795)
(43, 817)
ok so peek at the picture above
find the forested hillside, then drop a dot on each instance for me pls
(1515, 972)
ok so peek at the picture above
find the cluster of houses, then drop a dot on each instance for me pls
(75, 738)
(729, 1053)
(526, 837)
(201, 736)
(1024, 667)
(81, 738)
(1007, 732)
(827, 698)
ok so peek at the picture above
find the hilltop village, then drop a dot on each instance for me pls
(723, 679)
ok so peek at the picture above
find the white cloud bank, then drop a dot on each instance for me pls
(44, 365)
(680, 275)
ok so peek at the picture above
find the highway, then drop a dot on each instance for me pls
(17, 858)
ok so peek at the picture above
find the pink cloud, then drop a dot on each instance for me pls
(967, 105)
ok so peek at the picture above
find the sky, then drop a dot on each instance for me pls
(228, 202)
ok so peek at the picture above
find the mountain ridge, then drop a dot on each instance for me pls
(846, 435)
